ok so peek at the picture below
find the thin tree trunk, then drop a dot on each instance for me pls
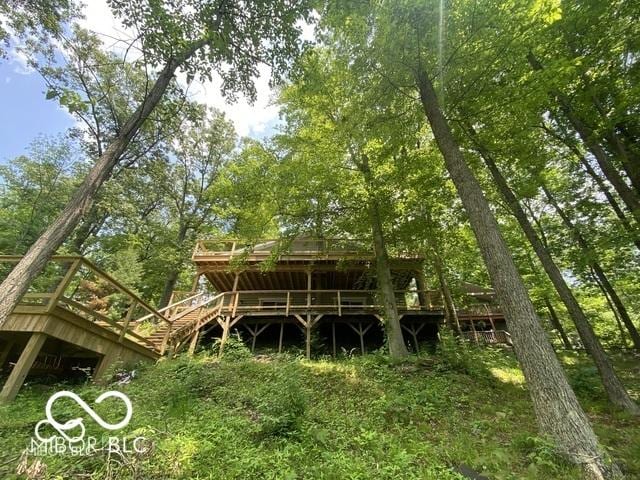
(628, 196)
(611, 199)
(558, 412)
(623, 336)
(452, 315)
(17, 282)
(613, 386)
(555, 321)
(597, 269)
(397, 347)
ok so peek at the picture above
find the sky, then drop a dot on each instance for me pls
(25, 113)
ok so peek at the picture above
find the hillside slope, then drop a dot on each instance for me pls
(281, 417)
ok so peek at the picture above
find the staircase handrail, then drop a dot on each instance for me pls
(164, 309)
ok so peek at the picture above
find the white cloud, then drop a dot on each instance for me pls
(249, 120)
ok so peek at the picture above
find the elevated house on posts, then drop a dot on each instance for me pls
(315, 294)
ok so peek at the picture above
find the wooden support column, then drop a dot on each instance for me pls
(308, 338)
(21, 369)
(127, 319)
(361, 333)
(4, 353)
(475, 333)
(333, 336)
(493, 325)
(194, 342)
(281, 335)
(103, 364)
(309, 283)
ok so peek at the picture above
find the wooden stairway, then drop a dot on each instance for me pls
(185, 321)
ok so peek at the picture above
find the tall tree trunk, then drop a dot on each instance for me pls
(452, 315)
(628, 196)
(555, 321)
(612, 384)
(172, 277)
(169, 287)
(558, 412)
(611, 199)
(597, 269)
(393, 329)
(17, 282)
(623, 336)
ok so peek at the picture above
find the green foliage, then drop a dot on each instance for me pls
(283, 417)
(234, 348)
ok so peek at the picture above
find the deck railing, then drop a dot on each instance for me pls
(77, 285)
(488, 337)
(329, 301)
(263, 248)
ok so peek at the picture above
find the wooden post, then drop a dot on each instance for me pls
(103, 364)
(281, 335)
(333, 336)
(4, 354)
(235, 290)
(21, 369)
(361, 333)
(493, 325)
(194, 342)
(308, 331)
(308, 289)
(288, 303)
(127, 319)
(62, 286)
(339, 304)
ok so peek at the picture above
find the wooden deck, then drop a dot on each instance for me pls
(76, 309)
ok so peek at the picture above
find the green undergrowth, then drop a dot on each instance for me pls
(283, 417)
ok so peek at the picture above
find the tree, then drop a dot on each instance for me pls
(398, 38)
(198, 39)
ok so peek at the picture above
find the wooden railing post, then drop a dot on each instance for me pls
(165, 340)
(127, 319)
(288, 303)
(64, 283)
(339, 305)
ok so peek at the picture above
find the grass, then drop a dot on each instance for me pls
(282, 417)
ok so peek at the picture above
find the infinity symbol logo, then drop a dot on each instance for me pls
(62, 428)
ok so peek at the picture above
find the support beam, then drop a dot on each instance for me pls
(103, 364)
(194, 342)
(281, 336)
(21, 369)
(308, 326)
(333, 336)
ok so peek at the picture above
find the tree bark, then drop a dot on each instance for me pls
(17, 282)
(452, 315)
(588, 137)
(558, 412)
(611, 199)
(613, 386)
(555, 321)
(169, 287)
(623, 337)
(597, 269)
(393, 329)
